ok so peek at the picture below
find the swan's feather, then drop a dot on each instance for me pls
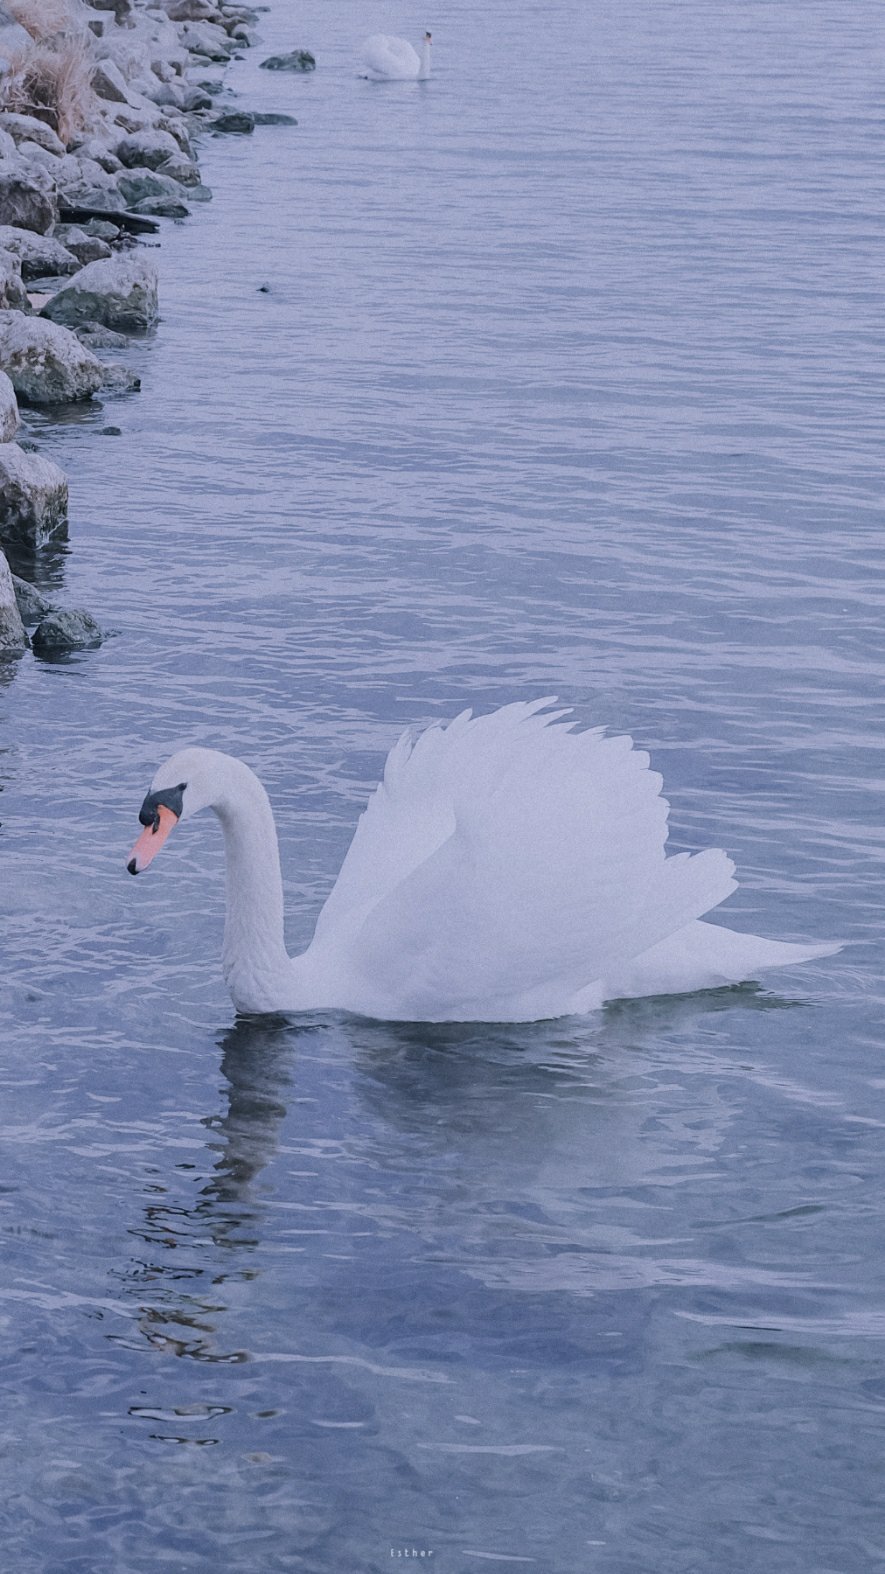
(385, 56)
(507, 863)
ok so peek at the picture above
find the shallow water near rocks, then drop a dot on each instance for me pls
(567, 379)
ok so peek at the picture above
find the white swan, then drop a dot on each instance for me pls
(394, 60)
(508, 868)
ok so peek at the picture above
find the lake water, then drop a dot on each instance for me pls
(568, 378)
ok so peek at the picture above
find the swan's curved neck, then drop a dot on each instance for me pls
(424, 68)
(254, 954)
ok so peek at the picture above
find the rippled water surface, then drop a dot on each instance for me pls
(567, 378)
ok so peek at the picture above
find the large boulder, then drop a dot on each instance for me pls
(12, 292)
(204, 38)
(110, 84)
(10, 420)
(136, 185)
(39, 255)
(27, 128)
(71, 630)
(33, 497)
(28, 196)
(119, 291)
(12, 632)
(31, 604)
(45, 362)
(146, 149)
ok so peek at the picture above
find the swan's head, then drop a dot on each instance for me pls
(427, 38)
(190, 780)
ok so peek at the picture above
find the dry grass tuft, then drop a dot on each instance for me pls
(44, 19)
(53, 78)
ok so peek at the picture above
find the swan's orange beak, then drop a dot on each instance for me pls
(151, 840)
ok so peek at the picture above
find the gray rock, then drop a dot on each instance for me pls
(296, 60)
(234, 121)
(31, 604)
(163, 207)
(45, 362)
(119, 379)
(137, 184)
(119, 291)
(12, 632)
(102, 229)
(109, 83)
(10, 420)
(28, 197)
(269, 117)
(182, 170)
(33, 497)
(71, 630)
(86, 248)
(13, 37)
(146, 149)
(27, 128)
(12, 292)
(38, 254)
(204, 38)
(192, 11)
(97, 337)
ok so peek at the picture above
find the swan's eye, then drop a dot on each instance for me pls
(167, 798)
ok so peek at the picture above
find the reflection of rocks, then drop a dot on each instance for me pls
(46, 362)
(61, 631)
(120, 292)
(12, 633)
(33, 497)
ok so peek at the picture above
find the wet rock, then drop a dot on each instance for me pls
(119, 291)
(97, 337)
(71, 630)
(45, 362)
(102, 229)
(28, 197)
(235, 121)
(12, 632)
(296, 60)
(31, 604)
(270, 117)
(27, 128)
(10, 420)
(119, 379)
(38, 254)
(33, 497)
(12, 291)
(111, 431)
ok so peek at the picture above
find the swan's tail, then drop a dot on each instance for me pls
(706, 956)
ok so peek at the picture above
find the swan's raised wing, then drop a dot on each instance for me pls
(504, 864)
(385, 56)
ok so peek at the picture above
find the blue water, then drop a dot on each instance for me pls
(568, 378)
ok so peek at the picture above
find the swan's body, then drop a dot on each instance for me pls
(508, 868)
(389, 59)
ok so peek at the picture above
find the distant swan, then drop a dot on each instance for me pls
(507, 869)
(394, 60)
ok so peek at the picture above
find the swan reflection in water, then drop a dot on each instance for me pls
(491, 1146)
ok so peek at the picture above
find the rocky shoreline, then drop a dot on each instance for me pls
(102, 106)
